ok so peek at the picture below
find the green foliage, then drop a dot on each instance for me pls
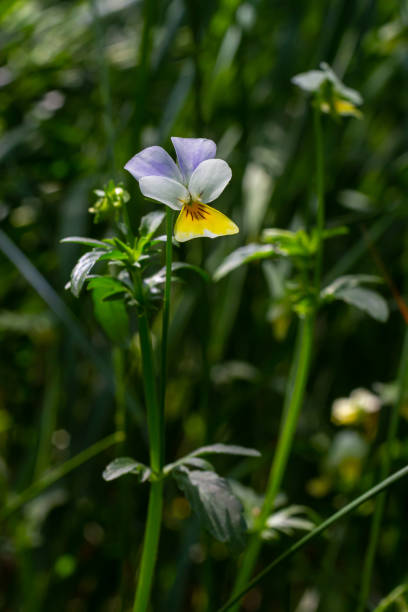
(243, 255)
(82, 90)
(126, 465)
(217, 508)
(111, 199)
(348, 289)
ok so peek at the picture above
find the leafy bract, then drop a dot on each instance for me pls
(126, 465)
(217, 508)
(243, 255)
(349, 290)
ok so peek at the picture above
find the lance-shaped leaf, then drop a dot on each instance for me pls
(126, 465)
(349, 290)
(367, 300)
(213, 449)
(225, 449)
(80, 272)
(217, 508)
(243, 255)
(88, 241)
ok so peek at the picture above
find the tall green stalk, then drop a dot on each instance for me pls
(155, 417)
(385, 470)
(166, 312)
(318, 134)
(296, 387)
(293, 402)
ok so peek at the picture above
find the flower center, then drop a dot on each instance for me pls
(196, 210)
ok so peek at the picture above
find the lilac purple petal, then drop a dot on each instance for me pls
(153, 161)
(191, 152)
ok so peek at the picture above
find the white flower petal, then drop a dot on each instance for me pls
(209, 180)
(165, 190)
(153, 161)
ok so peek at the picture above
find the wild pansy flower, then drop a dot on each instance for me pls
(188, 187)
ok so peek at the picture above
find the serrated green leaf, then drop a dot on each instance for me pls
(87, 241)
(243, 255)
(125, 465)
(217, 508)
(81, 270)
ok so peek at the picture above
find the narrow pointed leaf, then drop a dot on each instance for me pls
(243, 255)
(81, 270)
(124, 465)
(225, 449)
(88, 241)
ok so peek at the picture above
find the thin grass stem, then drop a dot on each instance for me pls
(340, 514)
(58, 472)
(385, 469)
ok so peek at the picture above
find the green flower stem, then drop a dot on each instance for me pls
(340, 514)
(56, 473)
(297, 380)
(120, 388)
(293, 402)
(318, 132)
(150, 547)
(149, 380)
(385, 469)
(166, 316)
(155, 420)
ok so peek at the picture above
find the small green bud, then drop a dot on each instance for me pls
(110, 200)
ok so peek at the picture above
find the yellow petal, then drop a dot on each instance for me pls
(197, 220)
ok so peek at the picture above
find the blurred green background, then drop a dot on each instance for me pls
(84, 85)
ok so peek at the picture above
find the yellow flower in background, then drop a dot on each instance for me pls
(187, 187)
(341, 107)
(357, 407)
